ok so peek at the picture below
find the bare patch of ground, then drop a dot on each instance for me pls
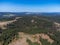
(57, 25)
(33, 38)
(5, 23)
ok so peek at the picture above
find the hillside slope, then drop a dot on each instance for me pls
(31, 27)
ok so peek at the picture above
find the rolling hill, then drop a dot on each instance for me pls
(29, 28)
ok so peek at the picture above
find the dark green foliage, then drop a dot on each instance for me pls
(44, 42)
(7, 36)
(25, 25)
(56, 38)
(7, 19)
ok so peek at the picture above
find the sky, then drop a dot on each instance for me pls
(29, 5)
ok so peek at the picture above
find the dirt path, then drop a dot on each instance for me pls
(4, 24)
(33, 38)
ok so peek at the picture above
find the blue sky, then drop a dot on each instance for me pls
(29, 6)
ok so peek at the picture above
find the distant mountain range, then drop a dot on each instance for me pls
(9, 14)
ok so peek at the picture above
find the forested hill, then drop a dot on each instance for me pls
(31, 25)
